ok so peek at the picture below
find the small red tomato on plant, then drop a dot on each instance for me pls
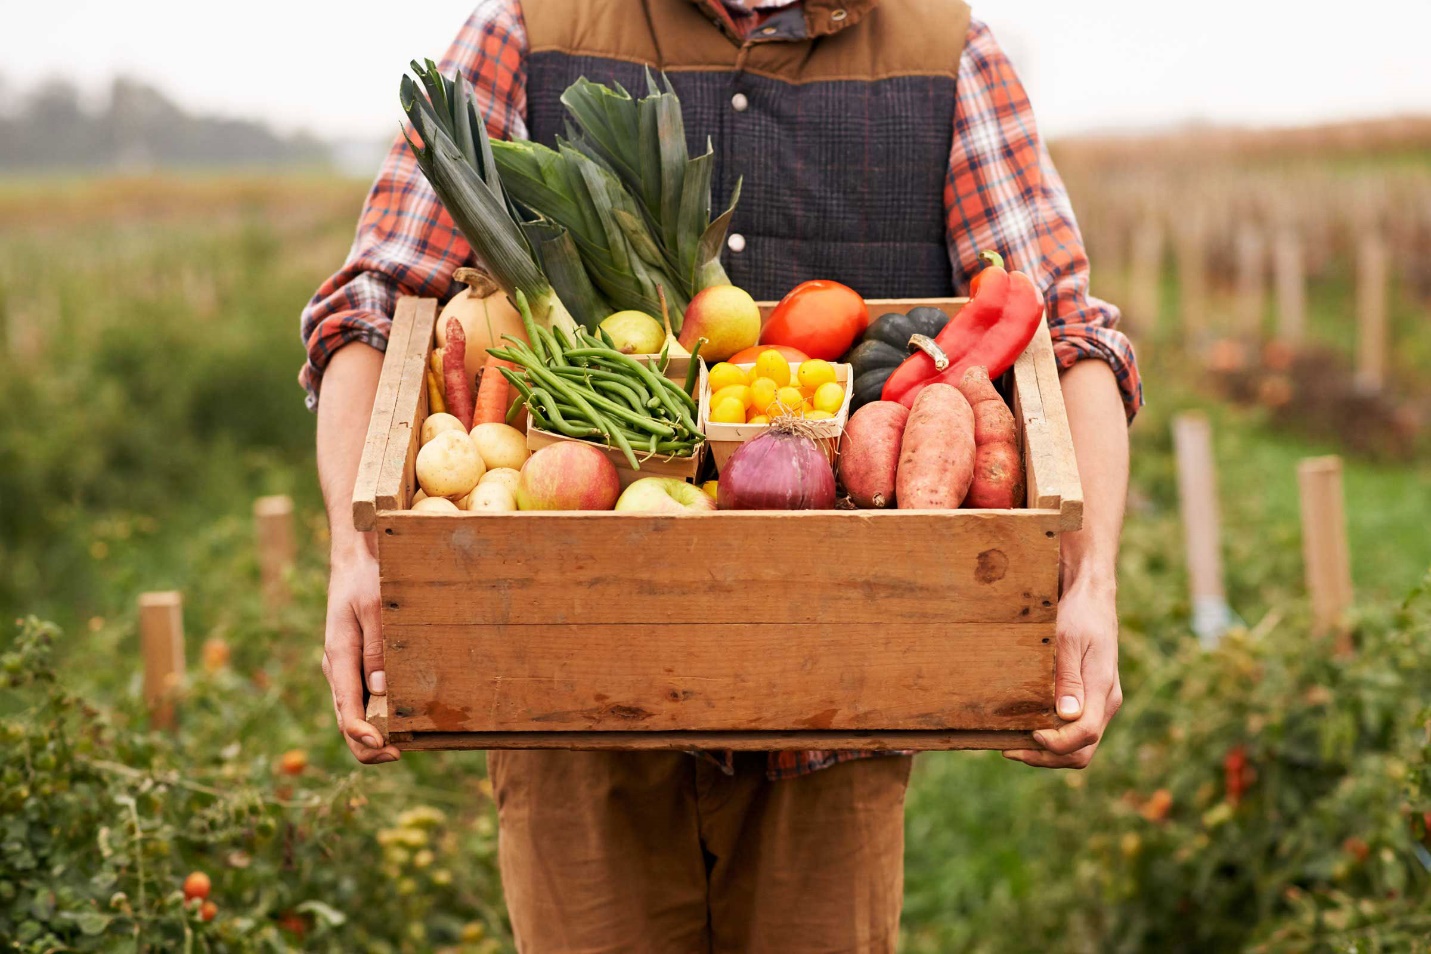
(821, 318)
(208, 911)
(1357, 848)
(197, 885)
(1156, 808)
(293, 762)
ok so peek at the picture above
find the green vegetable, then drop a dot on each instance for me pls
(574, 385)
(456, 157)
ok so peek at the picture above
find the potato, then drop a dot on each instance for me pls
(435, 505)
(869, 452)
(491, 498)
(418, 495)
(437, 424)
(503, 476)
(998, 468)
(936, 458)
(501, 446)
(449, 465)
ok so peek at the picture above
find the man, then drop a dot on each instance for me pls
(882, 146)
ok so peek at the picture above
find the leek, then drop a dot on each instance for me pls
(643, 142)
(567, 189)
(456, 157)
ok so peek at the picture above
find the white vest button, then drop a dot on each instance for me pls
(738, 102)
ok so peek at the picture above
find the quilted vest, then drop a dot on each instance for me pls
(838, 117)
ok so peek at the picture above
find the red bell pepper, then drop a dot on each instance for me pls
(1003, 313)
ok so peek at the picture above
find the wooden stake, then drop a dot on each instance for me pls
(1251, 274)
(1324, 547)
(1192, 281)
(273, 519)
(161, 636)
(1371, 287)
(1291, 288)
(1197, 501)
(1145, 269)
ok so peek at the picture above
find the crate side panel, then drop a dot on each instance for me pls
(827, 676)
(855, 567)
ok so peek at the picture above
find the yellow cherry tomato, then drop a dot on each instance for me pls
(724, 375)
(759, 419)
(819, 416)
(762, 394)
(788, 400)
(828, 397)
(773, 365)
(728, 411)
(738, 391)
(815, 372)
(711, 488)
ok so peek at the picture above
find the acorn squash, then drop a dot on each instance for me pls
(884, 344)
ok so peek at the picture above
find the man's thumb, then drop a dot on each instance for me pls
(1068, 685)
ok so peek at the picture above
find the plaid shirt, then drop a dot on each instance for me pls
(1001, 192)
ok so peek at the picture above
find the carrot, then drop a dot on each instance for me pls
(493, 393)
(454, 372)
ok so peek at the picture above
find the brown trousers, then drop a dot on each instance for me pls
(662, 853)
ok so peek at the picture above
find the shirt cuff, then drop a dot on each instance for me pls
(332, 334)
(1078, 342)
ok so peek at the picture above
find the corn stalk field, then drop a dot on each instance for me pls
(1265, 795)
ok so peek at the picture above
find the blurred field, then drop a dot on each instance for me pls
(148, 369)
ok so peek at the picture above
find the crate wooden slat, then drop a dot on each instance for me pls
(821, 629)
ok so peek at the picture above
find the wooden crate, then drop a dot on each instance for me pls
(737, 630)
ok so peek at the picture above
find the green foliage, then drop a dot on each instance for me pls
(102, 820)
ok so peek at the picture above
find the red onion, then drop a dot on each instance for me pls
(782, 469)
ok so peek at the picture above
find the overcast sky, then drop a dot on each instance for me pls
(333, 68)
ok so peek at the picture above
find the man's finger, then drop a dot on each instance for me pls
(1043, 759)
(370, 619)
(1076, 735)
(1068, 690)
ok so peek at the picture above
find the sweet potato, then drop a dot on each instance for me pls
(936, 457)
(869, 452)
(998, 466)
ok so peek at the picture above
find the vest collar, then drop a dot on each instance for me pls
(820, 18)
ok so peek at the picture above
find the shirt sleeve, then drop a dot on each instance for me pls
(1003, 193)
(406, 243)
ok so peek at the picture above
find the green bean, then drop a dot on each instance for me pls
(661, 386)
(621, 391)
(557, 420)
(600, 374)
(556, 354)
(605, 338)
(530, 325)
(693, 371)
(620, 438)
(557, 386)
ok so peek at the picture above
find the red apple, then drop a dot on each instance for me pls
(569, 475)
(664, 495)
(726, 317)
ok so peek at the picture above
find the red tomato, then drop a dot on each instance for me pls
(821, 318)
(208, 911)
(749, 355)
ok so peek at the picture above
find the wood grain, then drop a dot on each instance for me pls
(737, 741)
(375, 446)
(801, 567)
(719, 676)
(1051, 467)
(396, 478)
(1324, 547)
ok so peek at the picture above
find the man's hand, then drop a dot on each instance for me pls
(1086, 687)
(353, 652)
